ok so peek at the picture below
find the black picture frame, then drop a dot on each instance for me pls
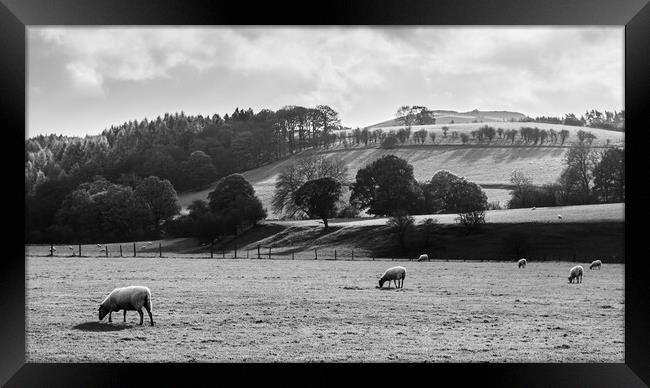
(15, 15)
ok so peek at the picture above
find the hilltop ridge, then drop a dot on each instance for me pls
(444, 116)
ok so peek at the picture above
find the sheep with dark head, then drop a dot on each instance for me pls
(522, 263)
(127, 298)
(394, 274)
(576, 273)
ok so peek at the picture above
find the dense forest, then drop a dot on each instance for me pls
(189, 151)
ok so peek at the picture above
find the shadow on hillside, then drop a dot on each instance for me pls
(101, 326)
(252, 235)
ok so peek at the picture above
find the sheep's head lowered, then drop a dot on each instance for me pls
(102, 312)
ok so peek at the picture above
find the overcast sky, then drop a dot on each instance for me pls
(82, 80)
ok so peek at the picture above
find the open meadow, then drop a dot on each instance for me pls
(283, 311)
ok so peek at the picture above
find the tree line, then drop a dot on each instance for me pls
(614, 121)
(590, 176)
(312, 188)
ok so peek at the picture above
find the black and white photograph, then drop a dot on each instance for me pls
(249, 194)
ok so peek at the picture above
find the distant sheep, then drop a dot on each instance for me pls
(596, 264)
(559, 216)
(533, 208)
(522, 263)
(576, 273)
(127, 298)
(394, 274)
(424, 257)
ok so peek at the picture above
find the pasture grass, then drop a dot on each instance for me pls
(304, 311)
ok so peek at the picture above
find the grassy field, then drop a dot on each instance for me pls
(245, 310)
(590, 231)
(570, 214)
(481, 163)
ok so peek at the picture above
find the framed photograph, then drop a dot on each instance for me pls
(438, 186)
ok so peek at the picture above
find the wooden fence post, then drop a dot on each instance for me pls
(258, 252)
(335, 254)
(292, 258)
(106, 246)
(133, 249)
(120, 250)
(212, 250)
(316, 253)
(269, 253)
(247, 250)
(353, 255)
(79, 250)
(160, 248)
(235, 251)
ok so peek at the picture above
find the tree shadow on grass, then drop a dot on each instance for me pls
(101, 326)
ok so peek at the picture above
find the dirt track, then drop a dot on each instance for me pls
(244, 310)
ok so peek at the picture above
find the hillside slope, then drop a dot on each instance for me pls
(584, 231)
(486, 164)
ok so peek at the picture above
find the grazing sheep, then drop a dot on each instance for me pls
(559, 216)
(423, 257)
(595, 263)
(394, 274)
(533, 208)
(127, 298)
(576, 273)
(99, 245)
(522, 263)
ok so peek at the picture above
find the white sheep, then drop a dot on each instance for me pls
(576, 273)
(559, 216)
(596, 263)
(394, 274)
(127, 298)
(424, 257)
(522, 263)
(533, 208)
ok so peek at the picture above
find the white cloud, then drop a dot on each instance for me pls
(86, 79)
(442, 67)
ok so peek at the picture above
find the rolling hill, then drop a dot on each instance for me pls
(447, 116)
(489, 165)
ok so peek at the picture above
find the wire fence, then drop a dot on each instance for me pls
(157, 250)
